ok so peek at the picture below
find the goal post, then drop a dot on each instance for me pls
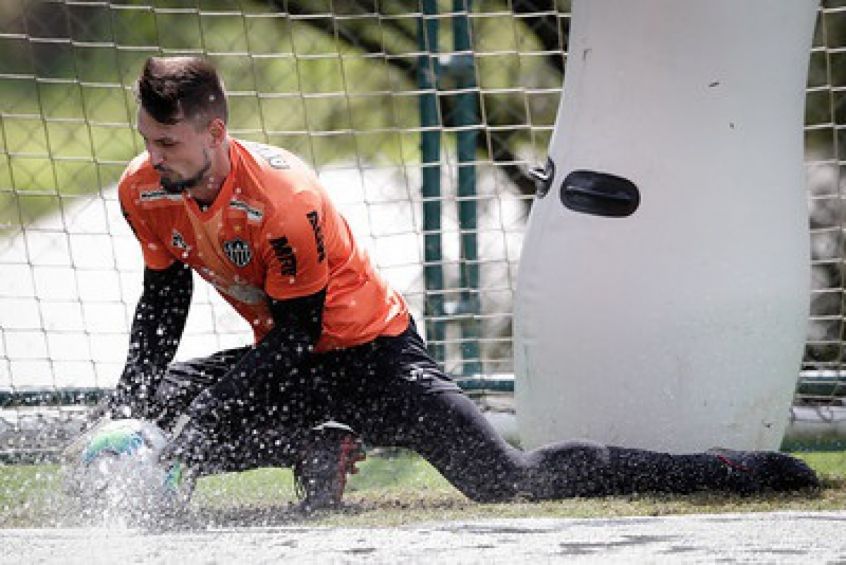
(422, 118)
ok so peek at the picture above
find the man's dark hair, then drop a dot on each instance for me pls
(172, 89)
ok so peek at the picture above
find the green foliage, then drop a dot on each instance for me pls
(330, 89)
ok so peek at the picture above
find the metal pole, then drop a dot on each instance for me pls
(467, 118)
(430, 156)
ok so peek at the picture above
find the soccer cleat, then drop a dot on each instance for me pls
(320, 474)
(751, 472)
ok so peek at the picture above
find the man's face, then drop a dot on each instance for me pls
(179, 152)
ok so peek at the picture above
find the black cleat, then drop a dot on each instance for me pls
(751, 472)
(328, 457)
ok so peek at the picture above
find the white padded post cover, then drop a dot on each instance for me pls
(678, 326)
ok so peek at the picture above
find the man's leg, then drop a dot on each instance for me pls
(328, 453)
(183, 381)
(290, 428)
(394, 394)
(273, 437)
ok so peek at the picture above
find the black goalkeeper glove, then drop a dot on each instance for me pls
(187, 446)
(193, 434)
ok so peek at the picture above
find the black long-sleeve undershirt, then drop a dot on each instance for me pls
(154, 337)
(157, 330)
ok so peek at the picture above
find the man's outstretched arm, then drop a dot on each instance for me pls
(154, 337)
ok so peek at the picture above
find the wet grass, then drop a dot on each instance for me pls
(398, 490)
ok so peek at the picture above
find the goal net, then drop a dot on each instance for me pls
(422, 118)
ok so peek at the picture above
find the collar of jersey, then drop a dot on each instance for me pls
(225, 194)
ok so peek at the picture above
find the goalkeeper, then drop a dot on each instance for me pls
(337, 358)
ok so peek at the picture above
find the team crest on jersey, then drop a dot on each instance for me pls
(238, 251)
(178, 241)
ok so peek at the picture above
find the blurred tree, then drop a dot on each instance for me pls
(541, 19)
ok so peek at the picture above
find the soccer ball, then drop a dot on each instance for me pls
(114, 469)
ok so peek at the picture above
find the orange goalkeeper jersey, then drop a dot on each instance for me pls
(271, 231)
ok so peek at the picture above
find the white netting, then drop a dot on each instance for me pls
(347, 85)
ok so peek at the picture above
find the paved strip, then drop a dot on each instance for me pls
(783, 537)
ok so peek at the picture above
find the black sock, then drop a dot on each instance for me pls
(636, 470)
(590, 469)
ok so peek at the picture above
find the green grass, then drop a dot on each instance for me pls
(830, 464)
(397, 490)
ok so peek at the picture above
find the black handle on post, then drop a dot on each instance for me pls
(600, 194)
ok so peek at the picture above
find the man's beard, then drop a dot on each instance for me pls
(180, 186)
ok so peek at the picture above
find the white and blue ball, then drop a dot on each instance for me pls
(115, 469)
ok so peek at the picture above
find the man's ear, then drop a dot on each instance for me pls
(217, 129)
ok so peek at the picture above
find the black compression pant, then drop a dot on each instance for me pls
(392, 393)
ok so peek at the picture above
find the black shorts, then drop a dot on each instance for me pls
(390, 391)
